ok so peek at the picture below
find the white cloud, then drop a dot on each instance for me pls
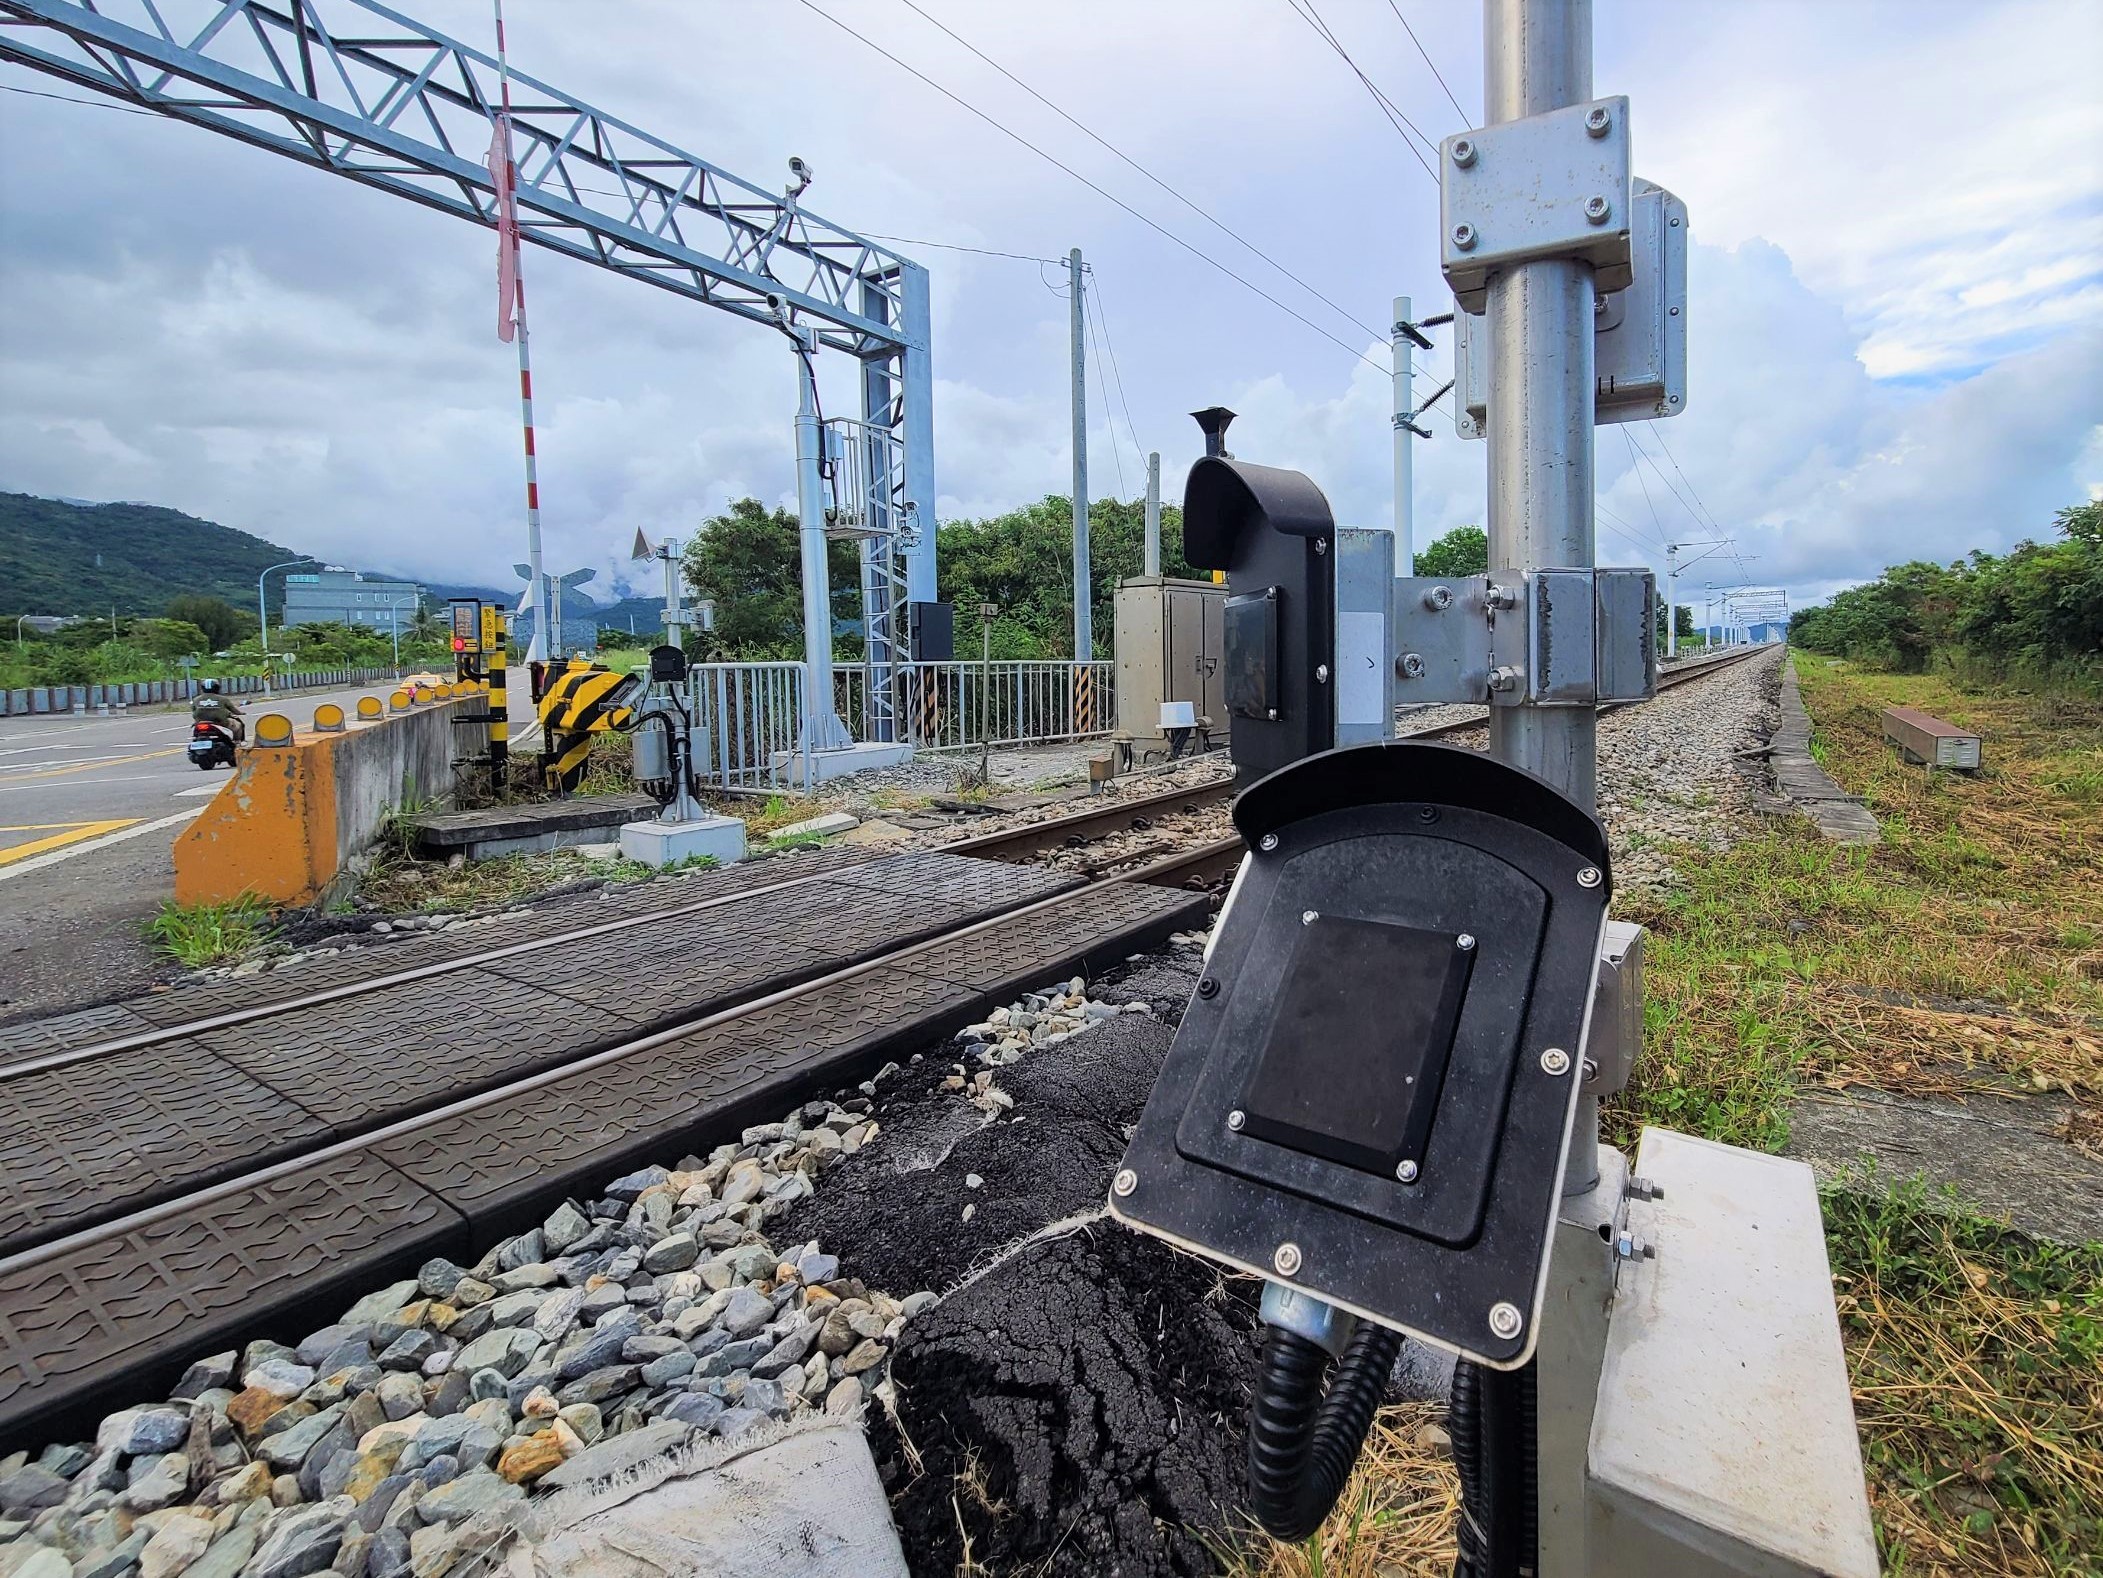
(1898, 211)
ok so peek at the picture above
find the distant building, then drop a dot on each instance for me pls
(345, 597)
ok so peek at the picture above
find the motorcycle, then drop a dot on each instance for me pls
(211, 745)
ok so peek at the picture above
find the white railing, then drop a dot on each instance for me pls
(753, 711)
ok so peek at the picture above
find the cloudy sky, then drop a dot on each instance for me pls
(1896, 281)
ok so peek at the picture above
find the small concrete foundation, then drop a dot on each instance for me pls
(828, 765)
(667, 843)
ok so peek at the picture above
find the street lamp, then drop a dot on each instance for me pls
(394, 618)
(263, 611)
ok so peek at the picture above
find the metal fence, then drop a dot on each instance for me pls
(953, 706)
(44, 699)
(754, 711)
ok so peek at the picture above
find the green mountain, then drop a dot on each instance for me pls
(58, 557)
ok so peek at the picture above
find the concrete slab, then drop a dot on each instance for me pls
(1838, 814)
(527, 829)
(721, 838)
(819, 826)
(870, 756)
(2007, 1157)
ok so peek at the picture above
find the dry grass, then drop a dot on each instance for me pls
(1934, 1051)
(1977, 1361)
(1395, 1519)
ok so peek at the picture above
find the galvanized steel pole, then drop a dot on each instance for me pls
(1083, 600)
(1537, 56)
(1405, 481)
(821, 728)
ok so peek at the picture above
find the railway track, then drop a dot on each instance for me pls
(175, 1171)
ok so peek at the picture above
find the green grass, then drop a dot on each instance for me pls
(781, 841)
(206, 934)
(1977, 1360)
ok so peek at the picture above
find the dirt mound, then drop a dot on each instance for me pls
(1077, 1405)
(1079, 1410)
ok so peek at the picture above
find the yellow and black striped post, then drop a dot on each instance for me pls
(1084, 698)
(928, 705)
(576, 703)
(499, 706)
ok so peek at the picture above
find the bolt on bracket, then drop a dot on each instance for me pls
(1553, 185)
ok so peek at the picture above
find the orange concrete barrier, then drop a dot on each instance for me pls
(286, 824)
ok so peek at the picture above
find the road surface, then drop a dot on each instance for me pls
(90, 808)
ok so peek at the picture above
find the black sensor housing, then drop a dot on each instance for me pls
(1370, 1096)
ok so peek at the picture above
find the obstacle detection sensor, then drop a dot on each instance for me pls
(1370, 1096)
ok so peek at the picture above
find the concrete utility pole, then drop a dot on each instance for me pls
(1672, 570)
(1152, 565)
(1538, 57)
(1405, 473)
(1083, 601)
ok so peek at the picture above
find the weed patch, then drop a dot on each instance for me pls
(199, 935)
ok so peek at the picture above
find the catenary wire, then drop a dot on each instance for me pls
(1151, 224)
(952, 246)
(1412, 32)
(93, 104)
(1403, 125)
(1088, 131)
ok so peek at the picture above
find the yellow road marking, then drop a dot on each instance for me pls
(74, 833)
(109, 761)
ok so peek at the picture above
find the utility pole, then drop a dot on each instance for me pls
(1405, 414)
(1152, 564)
(1672, 570)
(1083, 599)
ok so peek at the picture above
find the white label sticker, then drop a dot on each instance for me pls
(1360, 695)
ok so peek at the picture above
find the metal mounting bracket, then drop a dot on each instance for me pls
(1639, 338)
(1554, 185)
(1554, 638)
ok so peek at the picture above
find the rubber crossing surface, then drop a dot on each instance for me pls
(132, 1299)
(83, 1141)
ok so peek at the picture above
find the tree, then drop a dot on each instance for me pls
(1465, 550)
(221, 623)
(171, 638)
(750, 560)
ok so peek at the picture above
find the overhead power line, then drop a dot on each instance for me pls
(1102, 312)
(1412, 32)
(1107, 196)
(1094, 136)
(1403, 125)
(953, 246)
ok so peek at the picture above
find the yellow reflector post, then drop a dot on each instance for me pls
(328, 718)
(369, 707)
(399, 701)
(273, 728)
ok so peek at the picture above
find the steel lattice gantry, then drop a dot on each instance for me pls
(393, 104)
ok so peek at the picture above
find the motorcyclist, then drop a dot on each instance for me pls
(213, 706)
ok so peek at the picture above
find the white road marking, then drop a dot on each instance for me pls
(39, 862)
(201, 791)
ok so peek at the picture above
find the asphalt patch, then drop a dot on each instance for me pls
(1076, 1404)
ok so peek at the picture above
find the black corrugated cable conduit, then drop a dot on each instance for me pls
(1302, 1440)
(1491, 1424)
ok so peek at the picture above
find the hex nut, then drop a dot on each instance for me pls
(1505, 1319)
(1287, 1260)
